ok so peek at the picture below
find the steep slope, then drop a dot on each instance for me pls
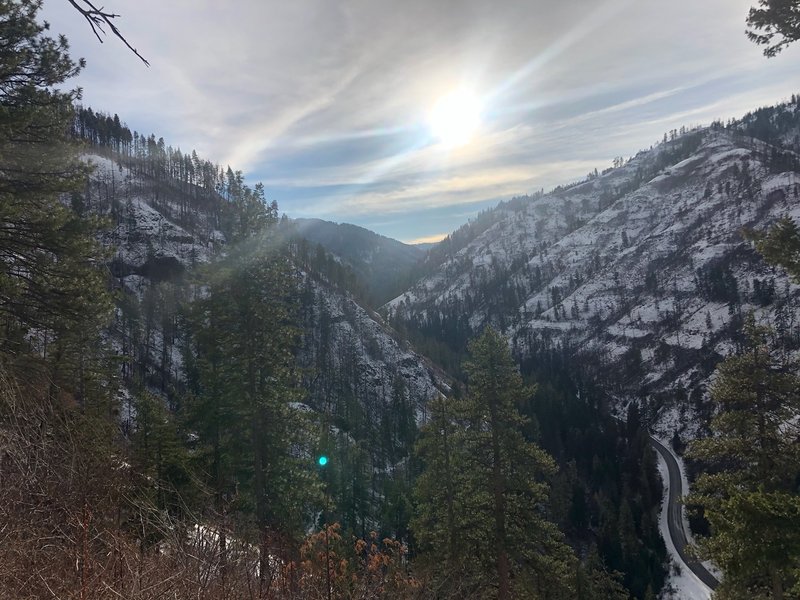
(350, 357)
(382, 265)
(642, 271)
(369, 388)
(351, 354)
(152, 243)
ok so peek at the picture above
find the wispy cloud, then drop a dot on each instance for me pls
(324, 101)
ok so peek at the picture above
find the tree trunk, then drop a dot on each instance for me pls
(259, 480)
(451, 515)
(777, 584)
(504, 587)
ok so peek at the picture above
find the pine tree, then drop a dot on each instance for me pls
(773, 18)
(256, 446)
(434, 522)
(781, 246)
(750, 496)
(489, 513)
(52, 289)
(61, 472)
(161, 462)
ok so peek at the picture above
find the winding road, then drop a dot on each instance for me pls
(675, 517)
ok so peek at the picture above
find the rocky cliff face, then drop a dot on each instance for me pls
(642, 271)
(350, 353)
(350, 359)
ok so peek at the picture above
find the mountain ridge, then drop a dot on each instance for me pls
(644, 265)
(381, 264)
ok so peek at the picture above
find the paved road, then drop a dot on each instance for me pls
(675, 518)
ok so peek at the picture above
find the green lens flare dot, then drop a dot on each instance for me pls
(323, 460)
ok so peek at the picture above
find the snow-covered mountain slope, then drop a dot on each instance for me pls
(152, 233)
(157, 233)
(642, 270)
(349, 353)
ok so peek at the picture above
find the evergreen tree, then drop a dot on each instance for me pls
(781, 246)
(52, 291)
(773, 18)
(161, 461)
(750, 496)
(490, 514)
(434, 522)
(256, 446)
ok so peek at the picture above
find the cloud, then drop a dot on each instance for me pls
(454, 191)
(324, 101)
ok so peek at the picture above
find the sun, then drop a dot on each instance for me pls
(455, 118)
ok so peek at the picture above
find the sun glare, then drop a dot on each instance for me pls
(455, 118)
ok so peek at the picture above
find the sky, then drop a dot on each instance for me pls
(329, 103)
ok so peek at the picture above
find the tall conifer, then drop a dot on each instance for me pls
(750, 496)
(254, 442)
(52, 289)
(489, 512)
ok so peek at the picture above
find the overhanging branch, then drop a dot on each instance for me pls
(99, 19)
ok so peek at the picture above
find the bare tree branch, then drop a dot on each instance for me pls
(98, 19)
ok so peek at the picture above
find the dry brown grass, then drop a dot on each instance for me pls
(72, 524)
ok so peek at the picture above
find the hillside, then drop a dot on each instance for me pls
(371, 387)
(587, 393)
(382, 265)
(642, 272)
